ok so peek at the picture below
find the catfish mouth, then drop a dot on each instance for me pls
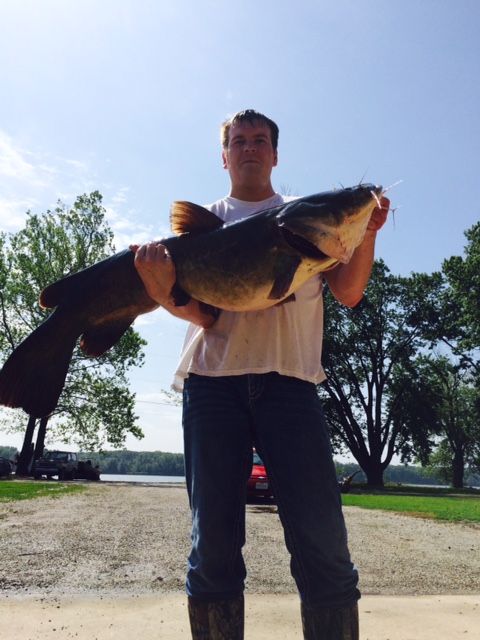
(302, 245)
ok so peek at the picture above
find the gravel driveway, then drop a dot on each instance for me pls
(126, 538)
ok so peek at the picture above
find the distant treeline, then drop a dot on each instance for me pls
(152, 463)
(160, 463)
(155, 463)
(403, 474)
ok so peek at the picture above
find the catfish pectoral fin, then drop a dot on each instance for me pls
(33, 376)
(97, 340)
(180, 297)
(284, 279)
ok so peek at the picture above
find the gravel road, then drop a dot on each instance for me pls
(126, 538)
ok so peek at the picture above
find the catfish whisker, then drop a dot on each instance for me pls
(362, 178)
(392, 185)
(377, 199)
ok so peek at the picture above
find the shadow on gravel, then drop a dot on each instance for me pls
(261, 505)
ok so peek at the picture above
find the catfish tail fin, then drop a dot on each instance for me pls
(34, 375)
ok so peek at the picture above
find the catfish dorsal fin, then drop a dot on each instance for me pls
(187, 217)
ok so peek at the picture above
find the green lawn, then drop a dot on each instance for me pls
(440, 507)
(11, 490)
(453, 508)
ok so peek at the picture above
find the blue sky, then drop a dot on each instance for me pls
(127, 96)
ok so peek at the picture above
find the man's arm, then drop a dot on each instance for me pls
(157, 271)
(347, 282)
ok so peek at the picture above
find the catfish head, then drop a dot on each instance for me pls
(334, 222)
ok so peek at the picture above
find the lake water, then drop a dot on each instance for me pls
(113, 477)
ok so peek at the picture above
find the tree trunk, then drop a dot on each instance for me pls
(458, 469)
(26, 454)
(374, 473)
(40, 444)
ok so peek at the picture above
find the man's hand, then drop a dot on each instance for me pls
(156, 269)
(379, 215)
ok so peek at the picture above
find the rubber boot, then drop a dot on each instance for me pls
(330, 624)
(222, 620)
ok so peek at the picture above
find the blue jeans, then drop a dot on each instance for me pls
(223, 418)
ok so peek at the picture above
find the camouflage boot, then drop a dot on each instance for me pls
(330, 624)
(222, 620)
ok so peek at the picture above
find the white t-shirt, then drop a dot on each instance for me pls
(286, 338)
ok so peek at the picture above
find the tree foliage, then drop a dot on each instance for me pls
(364, 350)
(451, 314)
(96, 406)
(403, 368)
(452, 399)
(463, 278)
(139, 462)
(450, 322)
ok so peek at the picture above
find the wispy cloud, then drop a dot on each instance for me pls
(121, 196)
(21, 165)
(36, 180)
(123, 219)
(31, 179)
(12, 212)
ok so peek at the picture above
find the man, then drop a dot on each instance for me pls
(250, 381)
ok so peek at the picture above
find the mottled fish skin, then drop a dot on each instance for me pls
(256, 262)
(247, 265)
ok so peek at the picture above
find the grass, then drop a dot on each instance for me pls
(453, 508)
(12, 490)
(438, 504)
(425, 490)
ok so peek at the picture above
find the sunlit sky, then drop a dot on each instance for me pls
(127, 97)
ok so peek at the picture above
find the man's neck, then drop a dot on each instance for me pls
(252, 193)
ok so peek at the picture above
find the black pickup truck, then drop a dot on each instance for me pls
(65, 465)
(5, 468)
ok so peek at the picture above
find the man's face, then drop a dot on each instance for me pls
(249, 156)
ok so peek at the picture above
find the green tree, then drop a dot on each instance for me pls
(449, 319)
(463, 278)
(451, 399)
(364, 350)
(451, 314)
(96, 406)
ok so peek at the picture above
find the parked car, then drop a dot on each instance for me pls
(66, 466)
(56, 463)
(258, 485)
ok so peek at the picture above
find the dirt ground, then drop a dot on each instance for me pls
(134, 539)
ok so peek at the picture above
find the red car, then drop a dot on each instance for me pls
(258, 485)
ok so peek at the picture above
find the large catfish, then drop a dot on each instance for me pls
(247, 265)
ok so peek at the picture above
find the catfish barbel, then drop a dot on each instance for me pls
(251, 264)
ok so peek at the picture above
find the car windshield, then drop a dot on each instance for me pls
(58, 455)
(257, 459)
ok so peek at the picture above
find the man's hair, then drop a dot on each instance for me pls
(251, 116)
